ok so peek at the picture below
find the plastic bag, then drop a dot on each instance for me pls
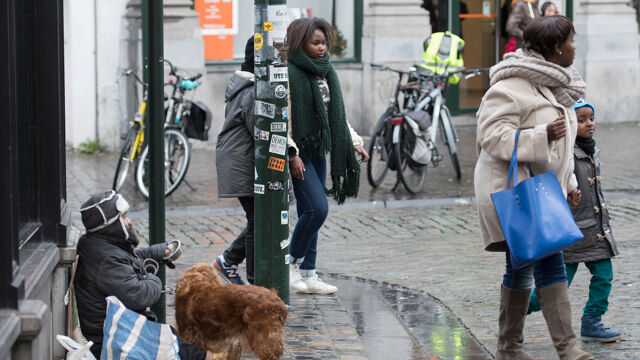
(75, 350)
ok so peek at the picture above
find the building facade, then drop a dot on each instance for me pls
(100, 102)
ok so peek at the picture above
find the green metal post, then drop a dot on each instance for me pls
(155, 129)
(271, 150)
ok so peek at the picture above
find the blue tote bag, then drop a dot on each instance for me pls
(130, 336)
(534, 215)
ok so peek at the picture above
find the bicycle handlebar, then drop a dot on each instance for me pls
(386, 68)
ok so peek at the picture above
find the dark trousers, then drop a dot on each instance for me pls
(242, 246)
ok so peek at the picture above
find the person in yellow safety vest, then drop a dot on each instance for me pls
(443, 52)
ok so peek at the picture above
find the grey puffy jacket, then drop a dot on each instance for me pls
(591, 214)
(234, 150)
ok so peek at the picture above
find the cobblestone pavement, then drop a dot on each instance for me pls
(428, 246)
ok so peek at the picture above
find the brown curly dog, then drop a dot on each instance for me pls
(218, 317)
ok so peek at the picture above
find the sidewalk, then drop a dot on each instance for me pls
(414, 282)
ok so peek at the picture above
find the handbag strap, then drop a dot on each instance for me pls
(513, 164)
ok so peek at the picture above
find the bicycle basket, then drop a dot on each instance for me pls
(198, 121)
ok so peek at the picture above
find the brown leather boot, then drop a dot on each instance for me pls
(556, 308)
(513, 310)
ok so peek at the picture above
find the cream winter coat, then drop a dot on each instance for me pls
(510, 105)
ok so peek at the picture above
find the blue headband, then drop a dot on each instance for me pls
(582, 103)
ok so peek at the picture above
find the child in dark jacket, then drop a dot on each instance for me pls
(592, 217)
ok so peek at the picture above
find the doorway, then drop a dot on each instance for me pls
(482, 25)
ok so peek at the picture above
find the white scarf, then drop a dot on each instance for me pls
(565, 83)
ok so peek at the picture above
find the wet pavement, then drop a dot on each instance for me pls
(414, 282)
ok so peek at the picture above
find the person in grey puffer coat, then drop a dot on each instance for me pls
(597, 247)
(235, 165)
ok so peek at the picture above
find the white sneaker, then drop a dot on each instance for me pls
(295, 279)
(315, 285)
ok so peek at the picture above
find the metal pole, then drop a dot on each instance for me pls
(271, 150)
(155, 129)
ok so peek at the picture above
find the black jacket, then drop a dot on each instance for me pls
(234, 149)
(108, 266)
(591, 215)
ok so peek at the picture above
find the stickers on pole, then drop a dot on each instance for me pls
(284, 243)
(268, 25)
(278, 127)
(278, 74)
(277, 15)
(284, 217)
(275, 185)
(258, 189)
(258, 41)
(276, 164)
(265, 109)
(280, 91)
(278, 144)
(263, 135)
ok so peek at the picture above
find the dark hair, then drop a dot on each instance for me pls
(544, 33)
(301, 30)
(544, 6)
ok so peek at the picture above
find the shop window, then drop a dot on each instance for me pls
(228, 24)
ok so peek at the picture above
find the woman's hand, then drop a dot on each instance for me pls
(556, 130)
(361, 151)
(574, 197)
(296, 166)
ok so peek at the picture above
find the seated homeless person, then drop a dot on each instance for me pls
(109, 264)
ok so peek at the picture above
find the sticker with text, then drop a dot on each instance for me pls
(275, 185)
(265, 109)
(278, 127)
(258, 189)
(276, 164)
(278, 144)
(278, 73)
(257, 41)
(284, 217)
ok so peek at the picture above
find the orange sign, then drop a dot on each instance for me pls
(219, 22)
(276, 164)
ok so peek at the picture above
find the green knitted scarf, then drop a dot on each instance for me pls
(317, 131)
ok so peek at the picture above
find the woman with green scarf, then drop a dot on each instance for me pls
(318, 127)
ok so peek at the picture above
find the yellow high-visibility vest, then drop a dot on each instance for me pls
(443, 52)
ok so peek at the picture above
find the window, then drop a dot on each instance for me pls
(228, 24)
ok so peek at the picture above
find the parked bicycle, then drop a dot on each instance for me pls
(406, 140)
(176, 143)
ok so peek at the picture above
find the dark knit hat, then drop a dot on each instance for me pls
(248, 63)
(102, 210)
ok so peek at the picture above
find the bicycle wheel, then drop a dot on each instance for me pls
(450, 140)
(379, 152)
(124, 160)
(176, 162)
(411, 174)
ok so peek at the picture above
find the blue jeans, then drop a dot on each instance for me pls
(313, 207)
(546, 272)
